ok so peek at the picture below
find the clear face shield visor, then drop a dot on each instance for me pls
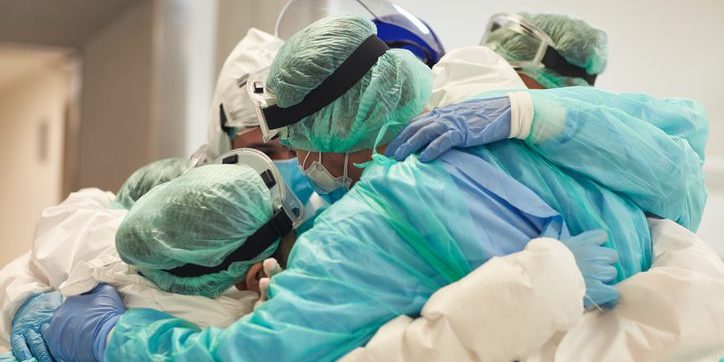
(507, 25)
(297, 14)
(281, 197)
(395, 25)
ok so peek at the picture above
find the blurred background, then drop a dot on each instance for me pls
(90, 90)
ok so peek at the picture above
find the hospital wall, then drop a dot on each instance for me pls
(116, 100)
(32, 114)
(148, 77)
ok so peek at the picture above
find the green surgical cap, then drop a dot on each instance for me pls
(387, 97)
(579, 43)
(147, 177)
(199, 218)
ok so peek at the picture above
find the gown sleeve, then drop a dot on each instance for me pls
(645, 148)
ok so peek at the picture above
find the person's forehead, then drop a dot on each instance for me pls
(253, 138)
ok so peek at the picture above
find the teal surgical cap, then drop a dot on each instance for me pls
(199, 218)
(147, 177)
(387, 97)
(578, 42)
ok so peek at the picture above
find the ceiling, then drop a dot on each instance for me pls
(64, 23)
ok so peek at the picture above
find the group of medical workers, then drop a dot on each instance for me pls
(355, 171)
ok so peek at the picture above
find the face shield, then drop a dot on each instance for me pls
(395, 26)
(540, 51)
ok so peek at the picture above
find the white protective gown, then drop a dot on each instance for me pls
(74, 250)
(672, 312)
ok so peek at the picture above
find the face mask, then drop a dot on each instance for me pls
(294, 179)
(329, 188)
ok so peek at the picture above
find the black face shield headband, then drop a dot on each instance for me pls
(339, 82)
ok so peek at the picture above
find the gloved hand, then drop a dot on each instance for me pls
(271, 267)
(596, 263)
(471, 123)
(33, 317)
(80, 326)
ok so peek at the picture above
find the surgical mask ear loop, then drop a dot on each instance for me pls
(304, 161)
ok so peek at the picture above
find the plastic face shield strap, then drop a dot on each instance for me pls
(272, 117)
(288, 213)
(546, 54)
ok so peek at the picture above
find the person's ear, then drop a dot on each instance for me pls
(251, 280)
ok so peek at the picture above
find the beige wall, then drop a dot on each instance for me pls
(31, 175)
(116, 100)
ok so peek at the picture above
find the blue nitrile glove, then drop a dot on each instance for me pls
(596, 263)
(33, 317)
(80, 326)
(471, 123)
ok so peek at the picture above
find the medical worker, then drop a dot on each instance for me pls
(250, 211)
(469, 123)
(211, 228)
(548, 50)
(232, 121)
(405, 230)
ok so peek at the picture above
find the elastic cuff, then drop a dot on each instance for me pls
(521, 114)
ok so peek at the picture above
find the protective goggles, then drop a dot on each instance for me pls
(288, 213)
(274, 120)
(545, 56)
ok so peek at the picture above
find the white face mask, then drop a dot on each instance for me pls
(322, 181)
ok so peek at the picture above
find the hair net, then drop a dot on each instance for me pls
(199, 218)
(391, 93)
(147, 177)
(578, 42)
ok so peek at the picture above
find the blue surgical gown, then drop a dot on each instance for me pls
(648, 149)
(405, 230)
